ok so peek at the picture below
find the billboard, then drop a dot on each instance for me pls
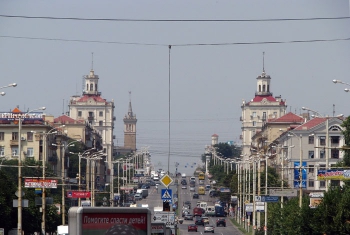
(40, 183)
(109, 220)
(297, 175)
(78, 194)
(333, 174)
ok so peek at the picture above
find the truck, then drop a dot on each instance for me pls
(62, 230)
(197, 211)
(183, 175)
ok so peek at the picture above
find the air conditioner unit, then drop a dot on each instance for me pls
(23, 138)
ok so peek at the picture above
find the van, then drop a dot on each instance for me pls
(201, 190)
(210, 211)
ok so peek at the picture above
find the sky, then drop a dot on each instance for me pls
(211, 71)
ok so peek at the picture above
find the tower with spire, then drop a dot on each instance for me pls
(98, 113)
(257, 111)
(130, 128)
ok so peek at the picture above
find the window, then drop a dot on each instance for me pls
(311, 154)
(335, 139)
(100, 113)
(322, 153)
(275, 114)
(100, 123)
(14, 151)
(91, 114)
(2, 150)
(311, 183)
(311, 169)
(30, 152)
(29, 136)
(91, 87)
(322, 183)
(335, 153)
(79, 114)
(2, 136)
(14, 135)
(335, 183)
(264, 116)
(322, 140)
(323, 167)
(254, 123)
(311, 139)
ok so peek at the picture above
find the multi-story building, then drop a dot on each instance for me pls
(256, 112)
(317, 142)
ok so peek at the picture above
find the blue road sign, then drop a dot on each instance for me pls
(166, 194)
(269, 198)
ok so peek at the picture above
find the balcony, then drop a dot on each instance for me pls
(53, 160)
(13, 142)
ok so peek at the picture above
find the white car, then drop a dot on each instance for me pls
(184, 186)
(192, 189)
(209, 228)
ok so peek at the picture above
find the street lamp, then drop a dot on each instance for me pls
(19, 222)
(9, 85)
(79, 173)
(341, 82)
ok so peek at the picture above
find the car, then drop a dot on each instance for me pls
(184, 186)
(208, 228)
(192, 189)
(183, 182)
(188, 217)
(187, 203)
(192, 227)
(195, 196)
(199, 221)
(205, 220)
(220, 222)
(185, 212)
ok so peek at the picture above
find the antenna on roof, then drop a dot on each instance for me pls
(333, 110)
(92, 61)
(263, 61)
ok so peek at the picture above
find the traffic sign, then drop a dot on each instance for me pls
(166, 194)
(288, 192)
(166, 180)
(269, 198)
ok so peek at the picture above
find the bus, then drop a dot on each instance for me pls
(201, 190)
(201, 176)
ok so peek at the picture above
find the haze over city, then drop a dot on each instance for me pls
(213, 64)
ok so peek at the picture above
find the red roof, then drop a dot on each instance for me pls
(259, 98)
(289, 118)
(95, 97)
(310, 124)
(65, 119)
(215, 135)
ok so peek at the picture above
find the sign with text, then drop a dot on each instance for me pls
(11, 116)
(300, 175)
(109, 220)
(166, 194)
(78, 194)
(158, 228)
(333, 174)
(40, 183)
(288, 192)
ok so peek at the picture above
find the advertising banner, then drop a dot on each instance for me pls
(78, 194)
(297, 175)
(40, 183)
(333, 174)
(109, 221)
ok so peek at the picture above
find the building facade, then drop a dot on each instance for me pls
(97, 112)
(258, 110)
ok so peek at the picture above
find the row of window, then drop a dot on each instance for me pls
(91, 114)
(311, 183)
(264, 115)
(333, 139)
(15, 136)
(14, 151)
(334, 154)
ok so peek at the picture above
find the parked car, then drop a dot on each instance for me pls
(220, 222)
(195, 196)
(184, 186)
(192, 227)
(209, 228)
(192, 189)
(188, 217)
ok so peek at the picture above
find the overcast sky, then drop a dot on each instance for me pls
(208, 82)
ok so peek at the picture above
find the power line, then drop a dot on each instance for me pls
(173, 20)
(176, 45)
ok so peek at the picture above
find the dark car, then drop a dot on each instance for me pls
(183, 182)
(199, 221)
(152, 183)
(188, 203)
(192, 227)
(220, 222)
(195, 196)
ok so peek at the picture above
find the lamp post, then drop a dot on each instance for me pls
(19, 221)
(79, 171)
(341, 82)
(9, 85)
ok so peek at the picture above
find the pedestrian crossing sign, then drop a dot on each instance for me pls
(166, 194)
